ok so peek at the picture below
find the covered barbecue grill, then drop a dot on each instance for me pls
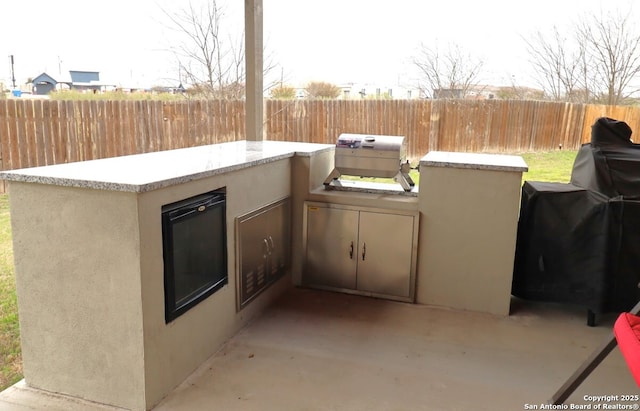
(366, 155)
(579, 243)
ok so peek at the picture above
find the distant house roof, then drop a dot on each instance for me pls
(84, 76)
(44, 78)
(75, 79)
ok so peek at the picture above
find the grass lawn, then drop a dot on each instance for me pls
(10, 359)
(551, 166)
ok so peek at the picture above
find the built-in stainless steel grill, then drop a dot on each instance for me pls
(366, 155)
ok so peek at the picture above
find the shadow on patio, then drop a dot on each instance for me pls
(318, 350)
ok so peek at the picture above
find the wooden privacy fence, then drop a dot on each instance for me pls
(498, 126)
(35, 132)
(43, 132)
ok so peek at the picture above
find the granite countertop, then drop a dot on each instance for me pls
(474, 161)
(151, 171)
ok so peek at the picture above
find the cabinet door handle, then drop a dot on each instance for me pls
(351, 251)
(267, 251)
(272, 245)
(364, 250)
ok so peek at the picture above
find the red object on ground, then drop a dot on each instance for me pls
(627, 332)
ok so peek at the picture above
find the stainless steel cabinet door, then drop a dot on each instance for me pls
(332, 242)
(384, 254)
(263, 248)
(278, 239)
(252, 253)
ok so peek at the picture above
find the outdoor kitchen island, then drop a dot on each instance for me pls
(88, 248)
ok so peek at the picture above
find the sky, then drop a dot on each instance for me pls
(130, 42)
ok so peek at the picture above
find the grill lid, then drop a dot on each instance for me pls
(362, 141)
(366, 155)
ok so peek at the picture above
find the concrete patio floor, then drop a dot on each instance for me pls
(315, 350)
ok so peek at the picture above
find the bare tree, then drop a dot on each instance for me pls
(595, 63)
(199, 49)
(452, 73)
(558, 69)
(211, 60)
(613, 53)
(321, 89)
(283, 92)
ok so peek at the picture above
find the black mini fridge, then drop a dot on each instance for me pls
(194, 239)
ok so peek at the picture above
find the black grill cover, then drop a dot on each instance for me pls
(624, 259)
(579, 243)
(610, 164)
(561, 245)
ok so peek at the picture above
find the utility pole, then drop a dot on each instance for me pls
(13, 75)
